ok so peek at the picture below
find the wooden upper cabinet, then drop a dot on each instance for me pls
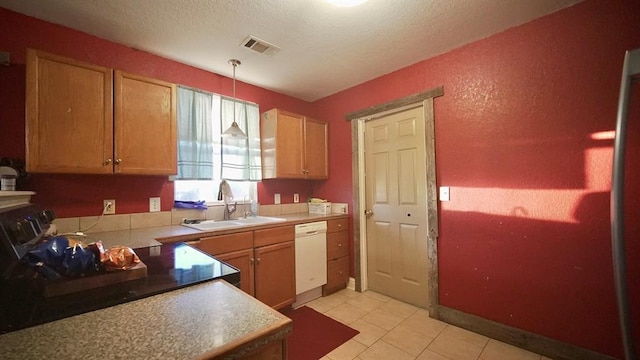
(83, 118)
(69, 115)
(145, 125)
(293, 146)
(316, 149)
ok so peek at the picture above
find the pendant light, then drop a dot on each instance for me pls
(234, 130)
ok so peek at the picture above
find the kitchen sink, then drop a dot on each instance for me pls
(210, 225)
(256, 220)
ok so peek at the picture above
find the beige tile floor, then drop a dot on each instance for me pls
(390, 329)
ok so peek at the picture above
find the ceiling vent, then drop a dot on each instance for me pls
(258, 45)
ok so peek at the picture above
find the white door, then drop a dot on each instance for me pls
(395, 181)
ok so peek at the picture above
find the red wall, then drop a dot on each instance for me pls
(81, 195)
(521, 139)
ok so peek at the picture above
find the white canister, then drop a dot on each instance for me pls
(8, 183)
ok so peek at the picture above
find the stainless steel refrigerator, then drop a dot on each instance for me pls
(620, 238)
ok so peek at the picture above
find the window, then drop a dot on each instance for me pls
(205, 158)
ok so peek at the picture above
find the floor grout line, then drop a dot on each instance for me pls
(329, 305)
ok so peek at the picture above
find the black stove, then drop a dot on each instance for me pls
(21, 227)
(23, 299)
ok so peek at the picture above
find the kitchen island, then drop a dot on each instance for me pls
(213, 320)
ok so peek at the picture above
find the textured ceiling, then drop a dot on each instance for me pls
(325, 48)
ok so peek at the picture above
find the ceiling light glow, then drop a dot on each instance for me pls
(346, 3)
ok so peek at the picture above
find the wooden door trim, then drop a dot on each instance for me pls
(396, 104)
(357, 118)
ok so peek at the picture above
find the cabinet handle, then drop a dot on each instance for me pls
(339, 245)
(339, 225)
(118, 161)
(252, 261)
(258, 260)
(107, 162)
(340, 272)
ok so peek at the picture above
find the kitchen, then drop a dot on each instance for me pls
(516, 140)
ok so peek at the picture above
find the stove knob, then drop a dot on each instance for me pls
(22, 231)
(46, 216)
(35, 225)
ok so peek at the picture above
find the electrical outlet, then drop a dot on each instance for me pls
(109, 206)
(154, 204)
(296, 198)
(276, 199)
(5, 58)
(154, 251)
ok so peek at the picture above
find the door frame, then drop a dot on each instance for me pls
(358, 119)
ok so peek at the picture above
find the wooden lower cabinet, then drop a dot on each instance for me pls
(275, 274)
(265, 258)
(337, 255)
(337, 275)
(243, 261)
(276, 350)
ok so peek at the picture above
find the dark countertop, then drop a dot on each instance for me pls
(169, 267)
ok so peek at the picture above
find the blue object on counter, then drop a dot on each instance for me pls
(55, 257)
(200, 205)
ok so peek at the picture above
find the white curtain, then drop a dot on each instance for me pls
(195, 135)
(240, 158)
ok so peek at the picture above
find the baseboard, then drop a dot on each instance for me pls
(523, 339)
(352, 284)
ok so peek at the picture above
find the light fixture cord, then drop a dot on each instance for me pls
(234, 92)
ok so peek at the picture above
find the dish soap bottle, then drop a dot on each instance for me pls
(254, 207)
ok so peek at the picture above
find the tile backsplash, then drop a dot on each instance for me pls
(90, 224)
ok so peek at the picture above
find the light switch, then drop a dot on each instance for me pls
(444, 193)
(276, 199)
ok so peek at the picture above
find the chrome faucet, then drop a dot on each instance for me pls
(225, 194)
(244, 206)
(229, 209)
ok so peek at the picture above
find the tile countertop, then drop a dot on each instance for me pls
(151, 236)
(202, 321)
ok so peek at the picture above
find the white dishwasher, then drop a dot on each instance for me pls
(311, 260)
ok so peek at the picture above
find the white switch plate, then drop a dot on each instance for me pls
(444, 193)
(276, 199)
(154, 251)
(296, 198)
(154, 204)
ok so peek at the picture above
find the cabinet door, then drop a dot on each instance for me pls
(337, 275)
(221, 244)
(337, 245)
(69, 112)
(243, 261)
(275, 274)
(334, 225)
(289, 146)
(316, 149)
(145, 125)
(282, 135)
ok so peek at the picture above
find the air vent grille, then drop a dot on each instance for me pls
(259, 45)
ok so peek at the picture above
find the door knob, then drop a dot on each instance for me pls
(368, 213)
